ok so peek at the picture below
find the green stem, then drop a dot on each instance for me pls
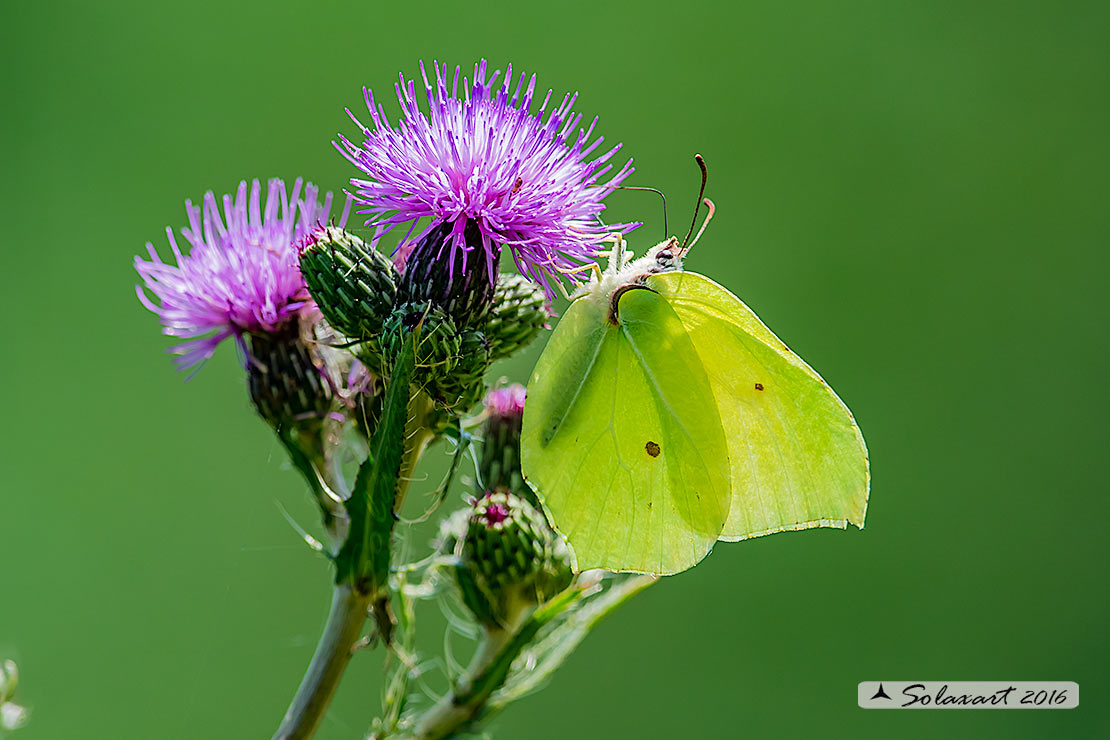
(417, 439)
(466, 702)
(348, 613)
(363, 561)
(461, 706)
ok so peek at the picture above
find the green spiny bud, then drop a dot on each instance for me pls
(473, 597)
(455, 278)
(499, 460)
(353, 283)
(438, 343)
(517, 314)
(452, 534)
(504, 541)
(511, 559)
(286, 381)
(464, 387)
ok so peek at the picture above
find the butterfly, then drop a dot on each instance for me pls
(663, 416)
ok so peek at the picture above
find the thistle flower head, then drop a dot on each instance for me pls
(495, 513)
(499, 460)
(352, 283)
(507, 402)
(511, 559)
(518, 312)
(481, 155)
(240, 274)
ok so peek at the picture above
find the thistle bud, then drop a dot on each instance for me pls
(499, 463)
(353, 283)
(438, 343)
(464, 387)
(449, 542)
(511, 560)
(456, 278)
(286, 381)
(516, 315)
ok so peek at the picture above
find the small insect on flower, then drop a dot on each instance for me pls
(240, 275)
(488, 172)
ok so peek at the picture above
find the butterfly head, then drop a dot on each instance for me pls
(626, 273)
(665, 257)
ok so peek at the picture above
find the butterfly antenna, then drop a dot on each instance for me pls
(711, 210)
(650, 190)
(704, 179)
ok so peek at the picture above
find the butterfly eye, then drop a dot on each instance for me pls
(664, 256)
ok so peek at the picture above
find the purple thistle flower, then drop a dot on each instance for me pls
(481, 155)
(240, 274)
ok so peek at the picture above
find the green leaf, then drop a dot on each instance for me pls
(494, 675)
(534, 666)
(363, 560)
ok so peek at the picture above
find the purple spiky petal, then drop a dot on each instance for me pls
(480, 154)
(240, 274)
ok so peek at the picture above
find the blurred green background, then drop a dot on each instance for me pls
(912, 194)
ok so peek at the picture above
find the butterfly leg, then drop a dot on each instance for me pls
(619, 255)
(593, 267)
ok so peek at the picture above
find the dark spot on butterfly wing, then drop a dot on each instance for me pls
(652, 449)
(759, 386)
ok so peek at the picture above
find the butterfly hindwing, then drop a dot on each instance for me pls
(797, 456)
(622, 441)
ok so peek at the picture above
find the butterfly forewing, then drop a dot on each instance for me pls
(797, 456)
(622, 441)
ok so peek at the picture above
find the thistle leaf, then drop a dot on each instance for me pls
(363, 560)
(547, 653)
